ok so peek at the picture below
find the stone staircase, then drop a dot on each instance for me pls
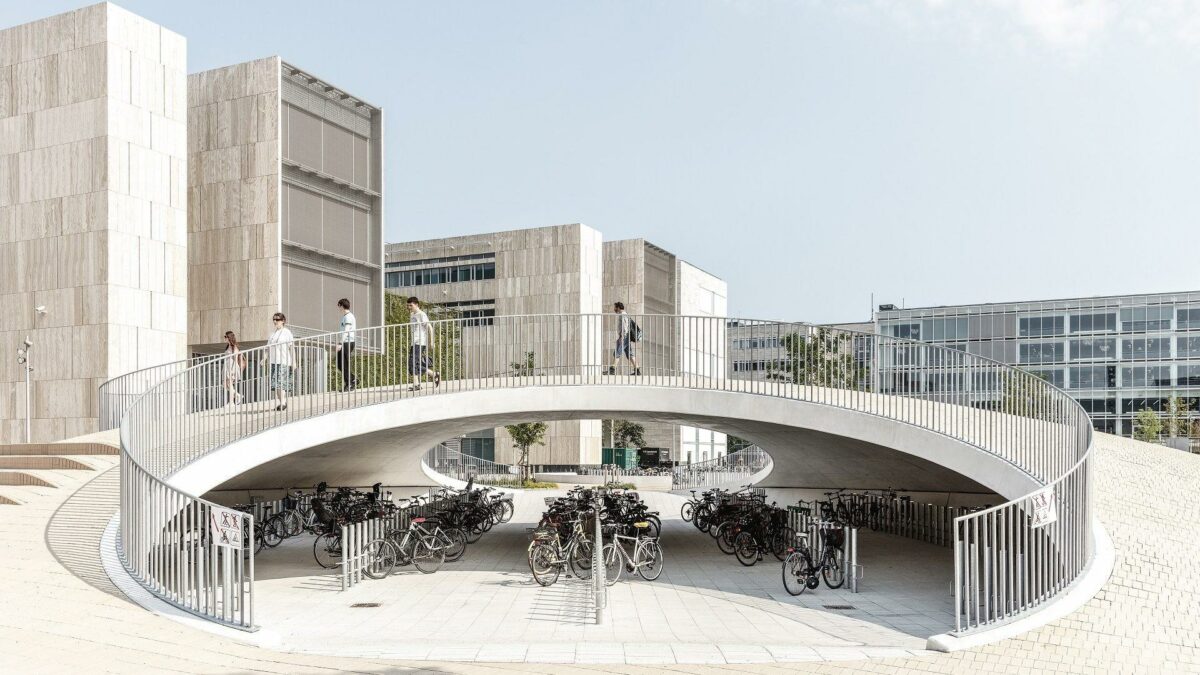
(29, 471)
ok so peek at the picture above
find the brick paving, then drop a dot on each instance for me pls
(62, 616)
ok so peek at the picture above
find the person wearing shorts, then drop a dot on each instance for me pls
(624, 341)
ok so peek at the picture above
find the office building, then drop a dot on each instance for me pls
(1116, 355)
(93, 143)
(286, 202)
(565, 269)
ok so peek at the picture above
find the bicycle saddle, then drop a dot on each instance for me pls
(418, 520)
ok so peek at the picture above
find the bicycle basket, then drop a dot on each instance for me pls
(544, 533)
(835, 537)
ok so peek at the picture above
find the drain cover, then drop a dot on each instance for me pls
(838, 606)
(364, 604)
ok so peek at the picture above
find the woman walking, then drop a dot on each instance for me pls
(282, 358)
(234, 362)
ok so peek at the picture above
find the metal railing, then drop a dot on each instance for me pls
(171, 416)
(455, 464)
(735, 468)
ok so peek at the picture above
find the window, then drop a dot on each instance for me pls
(483, 448)
(1142, 319)
(441, 275)
(1035, 326)
(1139, 349)
(1041, 352)
(1093, 377)
(1146, 376)
(756, 343)
(1052, 375)
(1088, 349)
(1099, 406)
(1093, 323)
(1187, 318)
(908, 331)
(1188, 376)
(944, 329)
(1132, 405)
(1187, 347)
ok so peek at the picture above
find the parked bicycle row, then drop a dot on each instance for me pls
(564, 539)
(423, 530)
(742, 523)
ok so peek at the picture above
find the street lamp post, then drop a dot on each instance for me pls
(23, 357)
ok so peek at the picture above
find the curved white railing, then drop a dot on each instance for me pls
(748, 465)
(1008, 559)
(447, 463)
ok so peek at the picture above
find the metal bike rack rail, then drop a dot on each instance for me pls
(1009, 559)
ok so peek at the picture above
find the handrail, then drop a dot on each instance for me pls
(998, 409)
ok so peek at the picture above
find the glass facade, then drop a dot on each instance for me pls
(1116, 355)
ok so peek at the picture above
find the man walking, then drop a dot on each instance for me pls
(625, 340)
(345, 350)
(419, 362)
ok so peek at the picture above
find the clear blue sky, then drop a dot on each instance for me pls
(810, 152)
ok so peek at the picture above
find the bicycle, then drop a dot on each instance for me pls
(646, 560)
(548, 556)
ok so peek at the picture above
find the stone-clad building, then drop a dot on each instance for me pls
(93, 230)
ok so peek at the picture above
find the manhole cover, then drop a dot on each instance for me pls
(364, 604)
(838, 606)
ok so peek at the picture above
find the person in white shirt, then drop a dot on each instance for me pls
(346, 349)
(282, 358)
(234, 362)
(420, 353)
(624, 341)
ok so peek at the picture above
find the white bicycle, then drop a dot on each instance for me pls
(646, 560)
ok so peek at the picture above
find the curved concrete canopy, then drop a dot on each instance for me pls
(811, 444)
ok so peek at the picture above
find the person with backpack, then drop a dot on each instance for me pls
(233, 363)
(346, 327)
(628, 332)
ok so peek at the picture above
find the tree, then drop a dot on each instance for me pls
(625, 434)
(1026, 394)
(524, 366)
(525, 436)
(735, 444)
(821, 357)
(1147, 426)
(1177, 422)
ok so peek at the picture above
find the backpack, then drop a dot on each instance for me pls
(635, 331)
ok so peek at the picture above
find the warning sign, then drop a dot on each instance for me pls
(227, 527)
(1045, 508)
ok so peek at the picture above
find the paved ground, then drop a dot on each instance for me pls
(705, 608)
(61, 614)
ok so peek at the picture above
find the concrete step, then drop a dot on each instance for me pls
(23, 478)
(42, 462)
(58, 449)
(8, 501)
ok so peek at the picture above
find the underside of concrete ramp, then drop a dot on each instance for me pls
(811, 444)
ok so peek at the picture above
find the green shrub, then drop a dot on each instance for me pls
(523, 485)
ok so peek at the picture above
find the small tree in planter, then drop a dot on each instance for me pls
(1147, 426)
(524, 436)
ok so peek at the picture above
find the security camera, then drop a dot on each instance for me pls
(28, 343)
(40, 309)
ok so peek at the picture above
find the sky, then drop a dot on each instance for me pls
(812, 153)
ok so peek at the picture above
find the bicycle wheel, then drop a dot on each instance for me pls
(456, 543)
(429, 554)
(273, 532)
(327, 549)
(785, 538)
(832, 568)
(613, 563)
(580, 558)
(726, 535)
(745, 547)
(381, 558)
(293, 525)
(508, 511)
(687, 511)
(797, 569)
(542, 566)
(472, 533)
(651, 561)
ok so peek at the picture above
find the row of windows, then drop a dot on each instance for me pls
(1133, 319)
(758, 365)
(440, 275)
(434, 261)
(1096, 349)
(757, 343)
